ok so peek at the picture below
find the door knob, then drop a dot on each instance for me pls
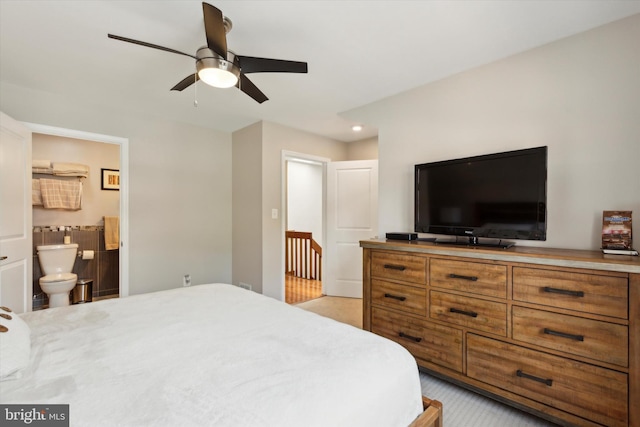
(2, 258)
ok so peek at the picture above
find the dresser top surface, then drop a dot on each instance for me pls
(524, 254)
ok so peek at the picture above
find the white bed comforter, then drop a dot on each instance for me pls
(213, 355)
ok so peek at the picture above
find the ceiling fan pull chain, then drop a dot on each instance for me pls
(195, 90)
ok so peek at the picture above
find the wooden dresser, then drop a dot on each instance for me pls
(554, 332)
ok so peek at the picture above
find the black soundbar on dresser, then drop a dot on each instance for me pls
(402, 236)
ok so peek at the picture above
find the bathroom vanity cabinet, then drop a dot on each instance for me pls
(554, 332)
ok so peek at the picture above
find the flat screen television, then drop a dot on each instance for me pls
(497, 196)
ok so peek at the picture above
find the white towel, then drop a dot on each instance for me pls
(58, 194)
(70, 169)
(46, 171)
(41, 164)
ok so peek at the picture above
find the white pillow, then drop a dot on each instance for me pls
(15, 344)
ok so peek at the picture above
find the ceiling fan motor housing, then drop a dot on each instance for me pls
(208, 60)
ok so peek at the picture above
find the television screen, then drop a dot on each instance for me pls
(500, 196)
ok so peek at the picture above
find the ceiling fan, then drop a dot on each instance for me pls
(220, 67)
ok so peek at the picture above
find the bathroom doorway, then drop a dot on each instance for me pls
(106, 268)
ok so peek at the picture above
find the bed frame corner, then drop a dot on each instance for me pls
(432, 415)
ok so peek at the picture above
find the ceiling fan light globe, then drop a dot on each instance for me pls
(218, 78)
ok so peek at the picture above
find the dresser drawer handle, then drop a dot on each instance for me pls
(564, 335)
(409, 337)
(458, 276)
(563, 291)
(395, 267)
(534, 378)
(399, 298)
(466, 313)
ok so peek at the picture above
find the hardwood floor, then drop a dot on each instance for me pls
(299, 290)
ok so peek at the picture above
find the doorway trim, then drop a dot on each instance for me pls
(124, 187)
(293, 155)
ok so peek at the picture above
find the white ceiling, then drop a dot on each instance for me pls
(358, 51)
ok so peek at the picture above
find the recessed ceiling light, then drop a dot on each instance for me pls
(356, 128)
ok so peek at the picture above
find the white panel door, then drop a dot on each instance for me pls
(352, 215)
(16, 253)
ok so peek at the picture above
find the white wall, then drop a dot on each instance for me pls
(96, 203)
(247, 206)
(365, 149)
(579, 96)
(180, 186)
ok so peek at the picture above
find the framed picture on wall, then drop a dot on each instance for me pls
(110, 179)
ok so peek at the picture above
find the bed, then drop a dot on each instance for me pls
(211, 355)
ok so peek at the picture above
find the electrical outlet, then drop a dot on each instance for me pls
(186, 280)
(244, 286)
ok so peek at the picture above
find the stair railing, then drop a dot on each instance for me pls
(303, 255)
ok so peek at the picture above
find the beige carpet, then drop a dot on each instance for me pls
(462, 408)
(346, 310)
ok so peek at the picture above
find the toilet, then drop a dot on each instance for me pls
(57, 262)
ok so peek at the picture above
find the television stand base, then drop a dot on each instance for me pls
(474, 242)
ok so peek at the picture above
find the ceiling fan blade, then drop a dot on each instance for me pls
(251, 64)
(154, 46)
(247, 86)
(186, 82)
(214, 28)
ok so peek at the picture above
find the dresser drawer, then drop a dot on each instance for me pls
(603, 341)
(589, 293)
(435, 343)
(401, 297)
(405, 268)
(582, 389)
(472, 277)
(469, 312)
